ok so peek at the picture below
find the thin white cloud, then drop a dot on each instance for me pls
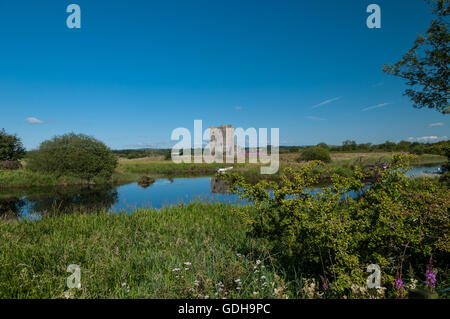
(427, 139)
(375, 106)
(238, 108)
(436, 124)
(316, 118)
(327, 102)
(33, 120)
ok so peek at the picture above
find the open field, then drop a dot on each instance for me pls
(367, 158)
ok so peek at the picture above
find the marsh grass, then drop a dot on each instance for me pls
(168, 168)
(198, 250)
(27, 178)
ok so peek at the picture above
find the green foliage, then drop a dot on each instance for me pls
(74, 155)
(402, 146)
(349, 145)
(140, 153)
(395, 223)
(186, 251)
(315, 153)
(425, 65)
(10, 165)
(146, 181)
(323, 145)
(168, 155)
(11, 148)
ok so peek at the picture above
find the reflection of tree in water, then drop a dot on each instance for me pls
(218, 186)
(69, 200)
(11, 207)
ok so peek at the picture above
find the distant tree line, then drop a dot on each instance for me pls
(140, 153)
(438, 148)
(418, 148)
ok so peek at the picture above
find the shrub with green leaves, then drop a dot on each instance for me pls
(11, 148)
(73, 155)
(315, 153)
(396, 223)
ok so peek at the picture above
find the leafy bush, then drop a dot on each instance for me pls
(145, 181)
(74, 155)
(315, 153)
(328, 235)
(10, 165)
(11, 148)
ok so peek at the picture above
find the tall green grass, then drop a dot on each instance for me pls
(198, 250)
(24, 177)
(170, 168)
(28, 178)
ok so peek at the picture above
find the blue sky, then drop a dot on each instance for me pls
(136, 70)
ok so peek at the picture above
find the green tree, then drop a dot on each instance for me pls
(323, 145)
(74, 155)
(364, 146)
(417, 148)
(426, 65)
(348, 145)
(389, 146)
(403, 146)
(315, 153)
(11, 148)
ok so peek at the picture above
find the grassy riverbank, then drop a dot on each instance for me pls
(188, 251)
(26, 178)
(169, 168)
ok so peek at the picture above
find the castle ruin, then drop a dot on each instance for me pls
(222, 141)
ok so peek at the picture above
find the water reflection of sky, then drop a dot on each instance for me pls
(165, 192)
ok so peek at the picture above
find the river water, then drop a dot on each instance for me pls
(32, 203)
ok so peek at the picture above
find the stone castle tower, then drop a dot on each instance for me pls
(222, 140)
